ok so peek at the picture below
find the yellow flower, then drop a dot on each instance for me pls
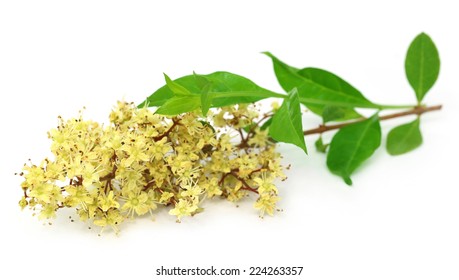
(260, 138)
(138, 203)
(23, 203)
(34, 175)
(191, 190)
(166, 197)
(266, 204)
(42, 192)
(111, 218)
(103, 166)
(90, 175)
(48, 212)
(183, 208)
(212, 187)
(189, 122)
(160, 148)
(77, 195)
(265, 184)
(88, 211)
(136, 151)
(276, 169)
(107, 201)
(219, 119)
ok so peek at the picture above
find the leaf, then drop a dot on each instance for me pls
(206, 98)
(160, 96)
(176, 88)
(206, 101)
(286, 124)
(202, 82)
(320, 146)
(318, 88)
(267, 124)
(422, 65)
(352, 145)
(331, 113)
(179, 104)
(249, 127)
(226, 89)
(404, 138)
(334, 113)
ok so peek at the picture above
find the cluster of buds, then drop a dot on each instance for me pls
(141, 161)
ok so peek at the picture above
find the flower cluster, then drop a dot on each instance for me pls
(143, 160)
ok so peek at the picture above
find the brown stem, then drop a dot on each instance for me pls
(244, 183)
(165, 134)
(242, 135)
(418, 110)
(149, 185)
(112, 174)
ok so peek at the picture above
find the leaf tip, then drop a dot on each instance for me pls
(167, 78)
(347, 180)
(269, 54)
(423, 34)
(305, 150)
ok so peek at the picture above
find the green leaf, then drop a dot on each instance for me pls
(249, 127)
(206, 98)
(176, 88)
(206, 101)
(331, 113)
(348, 113)
(334, 113)
(267, 124)
(286, 124)
(352, 145)
(404, 138)
(160, 96)
(320, 146)
(202, 82)
(318, 88)
(226, 89)
(422, 65)
(179, 104)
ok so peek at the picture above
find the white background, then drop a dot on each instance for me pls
(398, 221)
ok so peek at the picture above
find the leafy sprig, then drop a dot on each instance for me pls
(322, 93)
(141, 160)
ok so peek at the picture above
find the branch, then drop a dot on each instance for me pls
(175, 122)
(418, 110)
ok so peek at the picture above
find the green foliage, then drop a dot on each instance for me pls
(335, 113)
(225, 89)
(267, 124)
(286, 124)
(422, 65)
(141, 160)
(404, 138)
(318, 88)
(320, 146)
(175, 87)
(179, 105)
(352, 145)
(323, 93)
